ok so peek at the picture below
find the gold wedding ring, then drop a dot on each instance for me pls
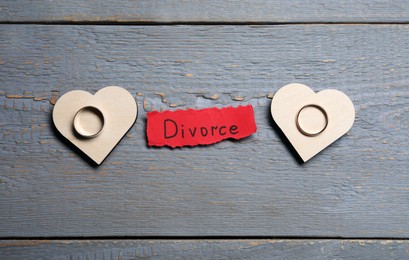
(311, 120)
(89, 122)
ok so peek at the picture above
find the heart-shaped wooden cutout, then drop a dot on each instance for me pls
(311, 121)
(101, 120)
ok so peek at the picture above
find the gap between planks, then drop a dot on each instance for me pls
(192, 23)
(193, 238)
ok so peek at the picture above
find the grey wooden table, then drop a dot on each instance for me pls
(235, 199)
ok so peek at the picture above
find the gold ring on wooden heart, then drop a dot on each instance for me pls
(311, 121)
(95, 123)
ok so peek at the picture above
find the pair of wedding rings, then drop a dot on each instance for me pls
(86, 129)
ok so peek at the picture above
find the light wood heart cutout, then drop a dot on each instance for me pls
(311, 121)
(95, 123)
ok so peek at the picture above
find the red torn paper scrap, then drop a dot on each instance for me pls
(205, 126)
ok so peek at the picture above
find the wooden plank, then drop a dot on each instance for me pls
(199, 11)
(204, 249)
(358, 187)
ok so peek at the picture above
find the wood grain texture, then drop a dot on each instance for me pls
(199, 11)
(204, 249)
(357, 187)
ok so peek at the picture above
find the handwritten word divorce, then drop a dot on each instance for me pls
(199, 127)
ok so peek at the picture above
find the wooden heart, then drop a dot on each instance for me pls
(95, 123)
(311, 121)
